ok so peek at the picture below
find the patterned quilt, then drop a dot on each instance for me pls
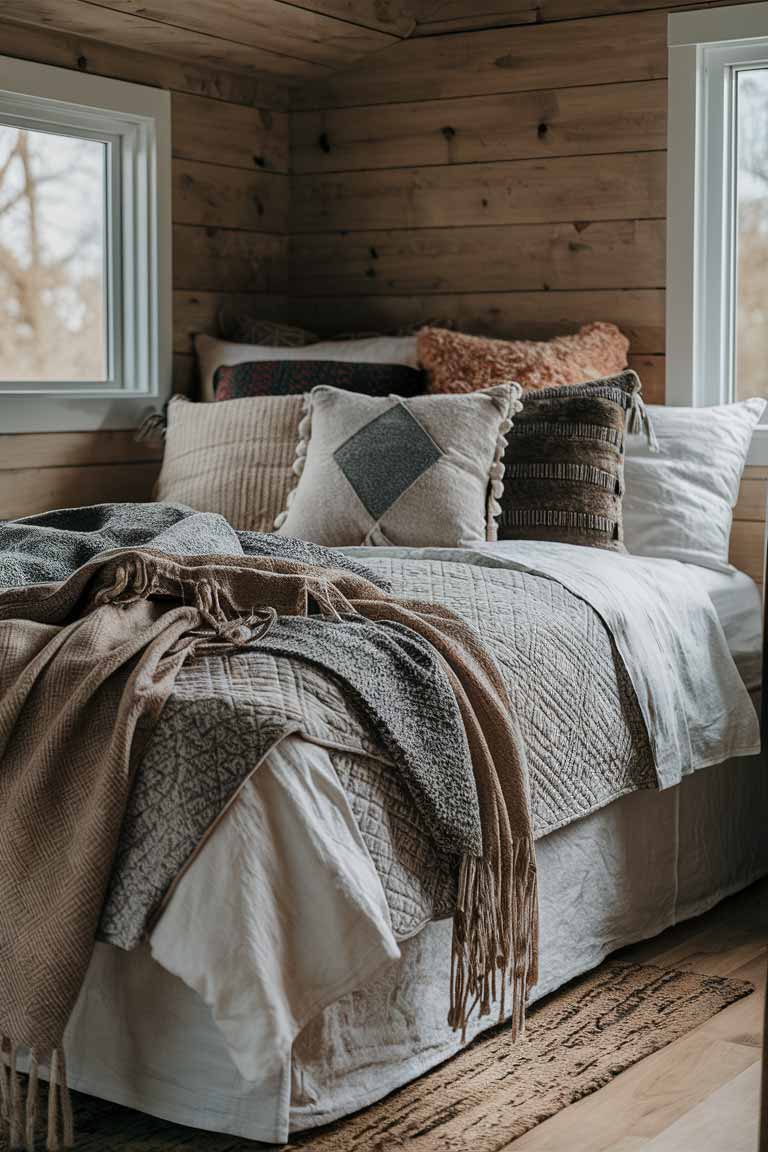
(584, 736)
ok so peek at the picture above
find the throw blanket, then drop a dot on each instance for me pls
(86, 665)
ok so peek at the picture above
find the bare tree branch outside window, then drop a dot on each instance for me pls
(52, 243)
(752, 226)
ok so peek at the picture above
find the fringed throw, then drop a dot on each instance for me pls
(85, 668)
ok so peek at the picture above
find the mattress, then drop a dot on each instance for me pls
(139, 1036)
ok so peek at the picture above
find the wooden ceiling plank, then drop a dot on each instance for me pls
(393, 16)
(83, 54)
(570, 54)
(264, 24)
(82, 17)
(434, 17)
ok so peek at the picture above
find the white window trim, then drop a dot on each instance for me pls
(137, 121)
(699, 197)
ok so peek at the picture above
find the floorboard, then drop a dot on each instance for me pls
(701, 1093)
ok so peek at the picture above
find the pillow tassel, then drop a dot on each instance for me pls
(638, 422)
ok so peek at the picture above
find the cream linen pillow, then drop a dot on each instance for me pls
(678, 502)
(213, 354)
(235, 458)
(419, 472)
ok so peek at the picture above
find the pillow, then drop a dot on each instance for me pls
(281, 378)
(212, 354)
(235, 458)
(564, 475)
(246, 329)
(420, 472)
(456, 362)
(679, 502)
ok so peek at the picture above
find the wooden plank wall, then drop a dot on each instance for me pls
(510, 179)
(230, 139)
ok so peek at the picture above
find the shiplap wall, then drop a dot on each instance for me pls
(510, 179)
(230, 140)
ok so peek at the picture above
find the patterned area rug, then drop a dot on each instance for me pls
(576, 1041)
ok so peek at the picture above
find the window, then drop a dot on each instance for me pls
(717, 208)
(85, 234)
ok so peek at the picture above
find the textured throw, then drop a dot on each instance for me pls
(86, 665)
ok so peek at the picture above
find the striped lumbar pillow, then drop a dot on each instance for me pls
(234, 458)
(564, 465)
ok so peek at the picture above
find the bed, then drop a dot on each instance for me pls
(176, 1027)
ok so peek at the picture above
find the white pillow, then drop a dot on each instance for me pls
(679, 502)
(212, 353)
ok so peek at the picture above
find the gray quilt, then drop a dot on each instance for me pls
(584, 736)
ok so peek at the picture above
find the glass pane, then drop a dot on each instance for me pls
(751, 332)
(52, 257)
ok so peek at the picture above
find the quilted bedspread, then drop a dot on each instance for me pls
(583, 731)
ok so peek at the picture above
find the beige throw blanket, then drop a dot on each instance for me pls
(85, 668)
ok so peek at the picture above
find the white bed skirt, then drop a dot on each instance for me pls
(140, 1037)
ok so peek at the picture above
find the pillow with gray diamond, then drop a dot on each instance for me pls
(420, 472)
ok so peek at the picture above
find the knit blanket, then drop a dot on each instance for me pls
(86, 665)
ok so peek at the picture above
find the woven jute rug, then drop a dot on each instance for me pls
(493, 1090)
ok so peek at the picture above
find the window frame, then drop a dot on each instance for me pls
(706, 49)
(135, 123)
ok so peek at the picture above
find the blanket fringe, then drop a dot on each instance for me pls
(488, 908)
(18, 1118)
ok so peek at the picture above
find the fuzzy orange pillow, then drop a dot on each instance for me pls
(456, 362)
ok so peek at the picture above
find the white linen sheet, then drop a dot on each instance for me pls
(695, 705)
(736, 599)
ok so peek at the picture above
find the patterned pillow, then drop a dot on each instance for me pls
(290, 377)
(564, 467)
(235, 459)
(212, 354)
(420, 472)
(456, 362)
(246, 329)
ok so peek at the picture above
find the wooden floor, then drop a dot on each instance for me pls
(700, 1094)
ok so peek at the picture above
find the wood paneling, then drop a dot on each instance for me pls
(608, 50)
(207, 259)
(626, 117)
(513, 315)
(56, 470)
(229, 197)
(227, 133)
(507, 180)
(615, 254)
(629, 186)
